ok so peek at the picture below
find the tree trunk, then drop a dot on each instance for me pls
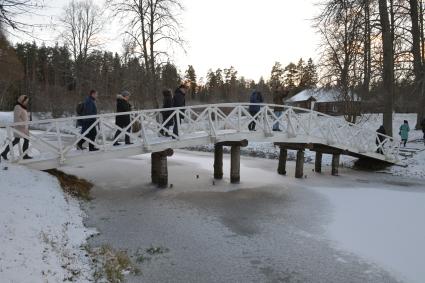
(388, 66)
(417, 58)
(367, 64)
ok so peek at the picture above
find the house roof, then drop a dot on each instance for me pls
(319, 95)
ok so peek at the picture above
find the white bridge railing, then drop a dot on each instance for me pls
(56, 139)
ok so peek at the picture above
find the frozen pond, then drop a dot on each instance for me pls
(269, 228)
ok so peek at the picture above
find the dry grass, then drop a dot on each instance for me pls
(73, 185)
(112, 265)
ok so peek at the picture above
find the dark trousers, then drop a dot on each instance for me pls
(15, 142)
(252, 125)
(91, 135)
(127, 137)
(176, 129)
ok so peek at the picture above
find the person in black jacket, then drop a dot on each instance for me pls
(123, 121)
(179, 100)
(167, 103)
(90, 109)
(380, 139)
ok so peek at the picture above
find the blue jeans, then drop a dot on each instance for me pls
(276, 124)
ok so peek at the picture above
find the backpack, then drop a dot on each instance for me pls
(80, 109)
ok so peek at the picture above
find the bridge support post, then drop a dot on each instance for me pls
(235, 164)
(159, 168)
(299, 168)
(335, 164)
(281, 169)
(155, 161)
(318, 162)
(218, 162)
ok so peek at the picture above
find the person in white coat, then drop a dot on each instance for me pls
(20, 114)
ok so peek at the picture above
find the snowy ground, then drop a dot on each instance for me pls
(41, 229)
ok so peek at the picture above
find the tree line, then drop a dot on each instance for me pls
(375, 48)
(371, 48)
(55, 82)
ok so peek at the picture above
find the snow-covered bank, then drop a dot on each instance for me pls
(415, 167)
(41, 230)
(385, 226)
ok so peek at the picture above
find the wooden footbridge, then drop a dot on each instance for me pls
(53, 141)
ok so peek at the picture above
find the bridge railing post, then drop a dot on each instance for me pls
(60, 143)
(102, 131)
(239, 118)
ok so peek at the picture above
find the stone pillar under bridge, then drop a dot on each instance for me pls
(235, 159)
(159, 167)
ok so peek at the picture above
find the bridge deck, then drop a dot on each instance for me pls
(53, 144)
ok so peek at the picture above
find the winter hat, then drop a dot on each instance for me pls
(125, 93)
(22, 99)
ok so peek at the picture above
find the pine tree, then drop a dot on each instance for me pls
(276, 77)
(290, 77)
(170, 77)
(190, 77)
(309, 77)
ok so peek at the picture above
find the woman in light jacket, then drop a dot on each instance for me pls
(20, 114)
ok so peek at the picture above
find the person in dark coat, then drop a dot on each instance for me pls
(278, 97)
(179, 100)
(256, 97)
(123, 121)
(380, 140)
(167, 103)
(90, 109)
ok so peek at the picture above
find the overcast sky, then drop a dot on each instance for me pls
(247, 34)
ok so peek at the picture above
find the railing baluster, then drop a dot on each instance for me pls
(59, 137)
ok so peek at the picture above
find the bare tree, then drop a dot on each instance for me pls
(388, 64)
(82, 23)
(12, 10)
(417, 57)
(154, 26)
(341, 26)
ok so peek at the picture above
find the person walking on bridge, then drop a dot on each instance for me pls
(90, 109)
(380, 139)
(255, 98)
(123, 121)
(404, 132)
(179, 100)
(20, 115)
(167, 103)
(278, 97)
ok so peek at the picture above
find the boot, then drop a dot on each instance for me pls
(4, 156)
